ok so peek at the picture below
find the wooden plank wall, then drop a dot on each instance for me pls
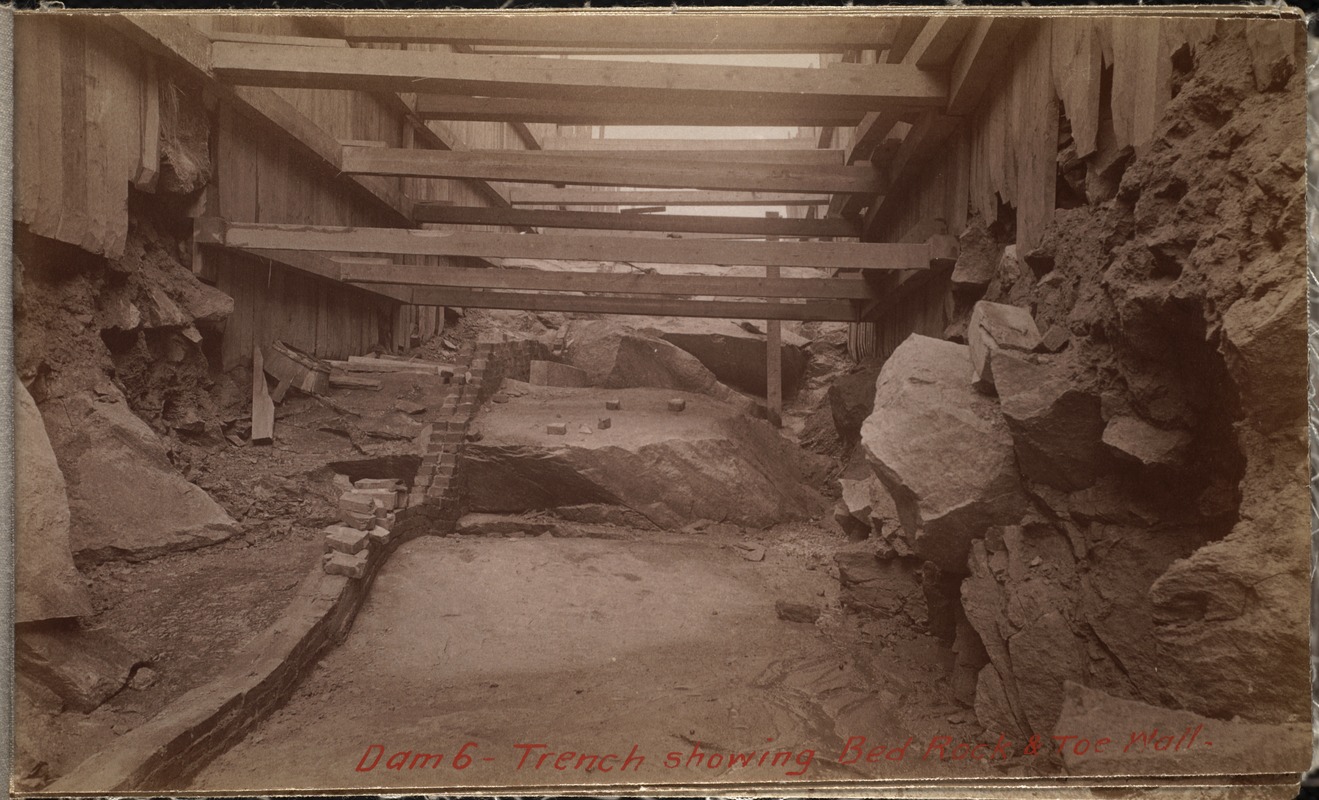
(1007, 150)
(77, 130)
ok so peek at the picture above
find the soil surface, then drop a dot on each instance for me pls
(593, 645)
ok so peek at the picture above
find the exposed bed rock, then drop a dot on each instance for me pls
(83, 667)
(710, 462)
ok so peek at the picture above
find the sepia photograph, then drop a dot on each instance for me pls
(846, 401)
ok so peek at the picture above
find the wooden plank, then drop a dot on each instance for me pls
(319, 265)
(263, 406)
(981, 61)
(560, 111)
(845, 88)
(1077, 67)
(1036, 141)
(400, 241)
(815, 310)
(920, 144)
(938, 40)
(774, 356)
(801, 158)
(904, 36)
(563, 168)
(839, 288)
(663, 223)
(534, 196)
(690, 29)
(148, 169)
(797, 145)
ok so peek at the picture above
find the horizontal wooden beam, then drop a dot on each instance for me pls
(799, 158)
(562, 168)
(401, 241)
(784, 145)
(686, 30)
(534, 196)
(809, 311)
(556, 111)
(837, 288)
(660, 223)
(317, 264)
(849, 89)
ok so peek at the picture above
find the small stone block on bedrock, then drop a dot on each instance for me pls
(605, 423)
(613, 405)
(353, 566)
(677, 404)
(499, 397)
(362, 522)
(380, 536)
(557, 429)
(384, 498)
(341, 539)
(457, 425)
(367, 484)
(359, 502)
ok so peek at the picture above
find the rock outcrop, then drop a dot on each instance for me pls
(709, 463)
(1056, 425)
(118, 474)
(942, 450)
(83, 668)
(46, 584)
(735, 355)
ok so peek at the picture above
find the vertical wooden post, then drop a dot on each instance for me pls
(773, 358)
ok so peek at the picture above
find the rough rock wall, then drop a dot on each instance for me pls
(1156, 420)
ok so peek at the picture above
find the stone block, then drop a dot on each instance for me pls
(342, 539)
(995, 326)
(557, 429)
(350, 566)
(360, 521)
(677, 404)
(605, 423)
(613, 404)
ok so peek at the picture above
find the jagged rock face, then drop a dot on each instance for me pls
(1056, 426)
(46, 584)
(119, 476)
(1183, 300)
(942, 450)
(1020, 598)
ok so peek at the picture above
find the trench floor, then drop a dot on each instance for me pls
(658, 646)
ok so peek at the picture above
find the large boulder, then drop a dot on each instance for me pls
(943, 451)
(126, 501)
(619, 357)
(46, 584)
(993, 327)
(1056, 426)
(709, 462)
(736, 356)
